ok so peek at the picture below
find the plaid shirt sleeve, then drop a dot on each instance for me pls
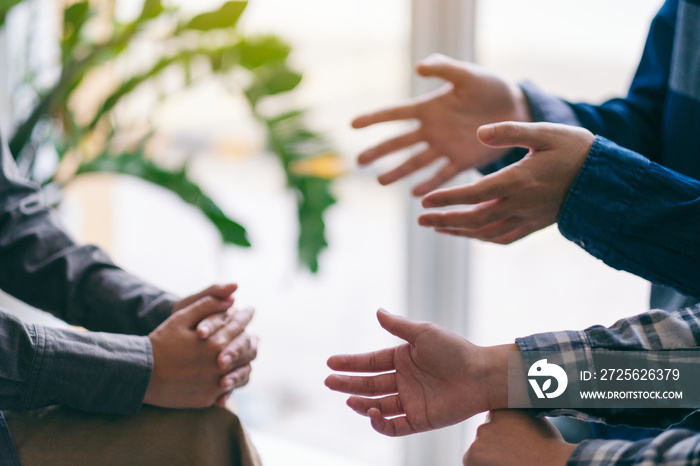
(656, 330)
(677, 447)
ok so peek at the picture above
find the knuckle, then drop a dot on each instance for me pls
(502, 241)
(472, 456)
(373, 362)
(219, 342)
(513, 129)
(466, 458)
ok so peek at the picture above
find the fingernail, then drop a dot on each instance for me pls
(203, 330)
(229, 384)
(226, 360)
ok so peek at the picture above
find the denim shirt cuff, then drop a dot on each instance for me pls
(597, 203)
(546, 107)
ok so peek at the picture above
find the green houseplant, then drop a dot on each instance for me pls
(255, 66)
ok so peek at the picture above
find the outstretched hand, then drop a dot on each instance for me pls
(448, 118)
(434, 380)
(521, 198)
(513, 437)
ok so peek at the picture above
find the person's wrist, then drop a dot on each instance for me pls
(495, 370)
(521, 107)
(562, 452)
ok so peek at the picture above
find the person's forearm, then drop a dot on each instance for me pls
(636, 216)
(94, 372)
(41, 265)
(496, 360)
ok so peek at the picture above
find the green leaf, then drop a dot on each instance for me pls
(151, 9)
(135, 164)
(5, 7)
(132, 83)
(315, 199)
(74, 18)
(263, 50)
(288, 139)
(225, 17)
(270, 80)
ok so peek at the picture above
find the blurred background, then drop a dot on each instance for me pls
(186, 132)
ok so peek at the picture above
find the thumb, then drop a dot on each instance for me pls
(441, 66)
(404, 328)
(535, 136)
(217, 291)
(198, 310)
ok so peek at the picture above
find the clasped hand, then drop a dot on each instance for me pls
(202, 352)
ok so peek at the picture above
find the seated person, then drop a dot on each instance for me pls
(72, 397)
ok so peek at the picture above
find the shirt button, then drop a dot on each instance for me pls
(580, 242)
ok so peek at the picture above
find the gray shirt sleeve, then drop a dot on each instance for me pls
(96, 372)
(41, 265)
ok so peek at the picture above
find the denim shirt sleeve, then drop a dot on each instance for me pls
(41, 265)
(637, 216)
(96, 372)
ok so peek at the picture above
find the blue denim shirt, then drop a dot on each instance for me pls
(638, 208)
(40, 366)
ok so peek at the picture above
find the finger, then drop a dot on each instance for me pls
(221, 401)
(376, 361)
(234, 326)
(490, 233)
(387, 147)
(216, 291)
(388, 406)
(442, 176)
(401, 327)
(515, 235)
(203, 307)
(399, 112)
(480, 217)
(377, 385)
(413, 164)
(211, 324)
(394, 427)
(490, 187)
(511, 236)
(535, 136)
(440, 66)
(241, 351)
(236, 378)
